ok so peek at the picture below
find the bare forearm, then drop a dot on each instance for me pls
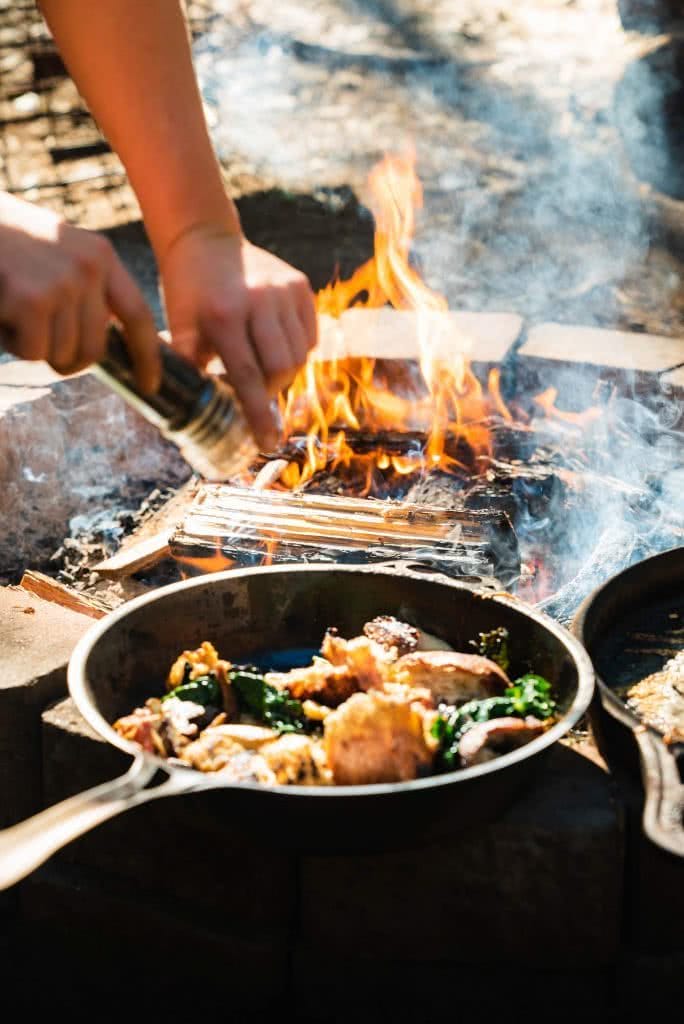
(131, 61)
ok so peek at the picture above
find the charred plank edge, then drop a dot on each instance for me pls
(50, 590)
(142, 555)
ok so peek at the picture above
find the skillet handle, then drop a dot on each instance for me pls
(26, 846)
(663, 816)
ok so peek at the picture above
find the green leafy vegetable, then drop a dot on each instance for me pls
(204, 690)
(494, 645)
(529, 695)
(270, 705)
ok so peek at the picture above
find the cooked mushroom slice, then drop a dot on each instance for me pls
(451, 677)
(392, 634)
(217, 746)
(487, 740)
(297, 760)
(248, 766)
(430, 642)
(379, 737)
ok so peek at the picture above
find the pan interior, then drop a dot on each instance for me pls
(256, 610)
(641, 640)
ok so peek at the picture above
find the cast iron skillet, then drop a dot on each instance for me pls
(123, 659)
(630, 626)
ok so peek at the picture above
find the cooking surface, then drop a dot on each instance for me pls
(567, 868)
(641, 642)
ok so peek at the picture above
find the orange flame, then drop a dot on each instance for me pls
(327, 399)
(547, 401)
(217, 562)
(448, 411)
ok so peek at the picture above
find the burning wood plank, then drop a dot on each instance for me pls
(244, 526)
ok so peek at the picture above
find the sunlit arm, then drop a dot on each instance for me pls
(131, 61)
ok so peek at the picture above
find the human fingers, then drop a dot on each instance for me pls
(126, 301)
(306, 308)
(93, 317)
(296, 335)
(269, 333)
(228, 337)
(64, 338)
(25, 315)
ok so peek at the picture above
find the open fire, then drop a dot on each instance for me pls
(439, 417)
(431, 426)
(378, 424)
(544, 499)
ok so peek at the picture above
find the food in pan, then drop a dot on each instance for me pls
(390, 705)
(659, 699)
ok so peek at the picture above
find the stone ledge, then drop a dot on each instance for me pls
(98, 937)
(37, 639)
(66, 444)
(555, 855)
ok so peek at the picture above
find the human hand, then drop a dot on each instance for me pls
(59, 287)
(226, 297)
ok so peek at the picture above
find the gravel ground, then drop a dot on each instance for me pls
(531, 200)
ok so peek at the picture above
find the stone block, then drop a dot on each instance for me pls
(107, 943)
(338, 990)
(36, 638)
(69, 446)
(550, 870)
(185, 850)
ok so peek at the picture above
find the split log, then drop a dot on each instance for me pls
(246, 527)
(135, 557)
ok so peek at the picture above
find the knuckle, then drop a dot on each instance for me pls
(262, 292)
(33, 300)
(88, 265)
(99, 251)
(221, 313)
(66, 288)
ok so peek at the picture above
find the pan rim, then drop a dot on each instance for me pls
(591, 605)
(76, 676)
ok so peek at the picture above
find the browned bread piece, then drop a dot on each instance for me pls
(451, 676)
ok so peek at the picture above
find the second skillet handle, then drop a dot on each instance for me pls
(26, 846)
(663, 816)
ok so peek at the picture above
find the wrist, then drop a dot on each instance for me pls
(198, 233)
(222, 223)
